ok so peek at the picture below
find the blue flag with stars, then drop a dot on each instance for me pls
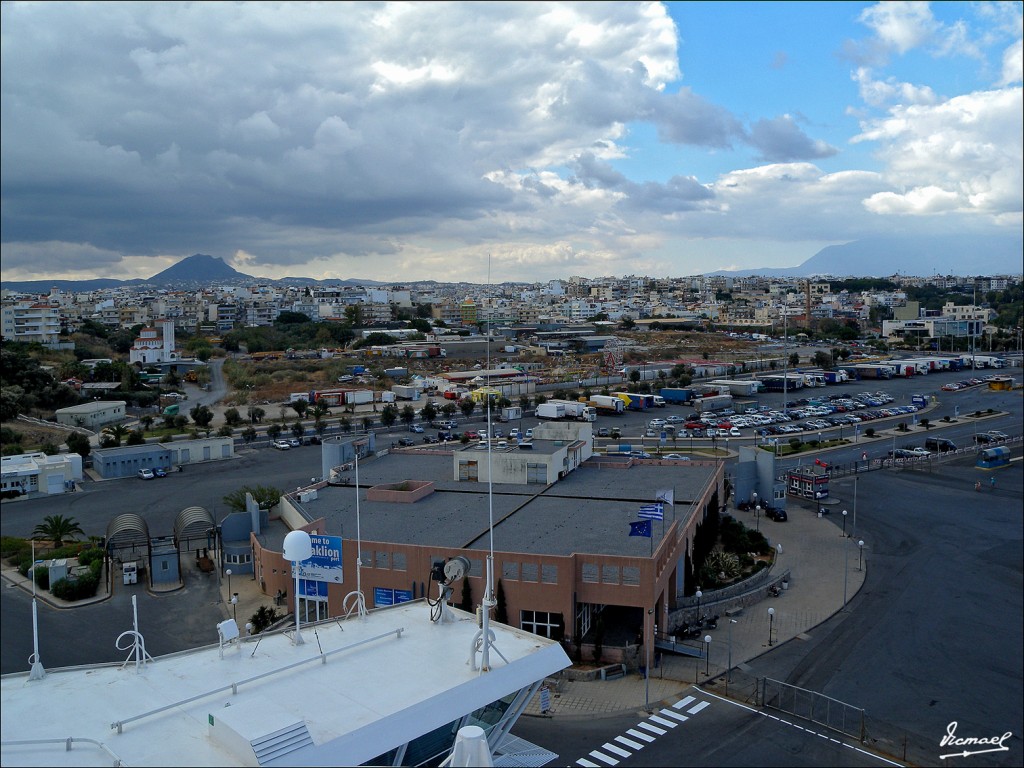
(640, 528)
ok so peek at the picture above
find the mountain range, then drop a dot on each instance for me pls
(960, 255)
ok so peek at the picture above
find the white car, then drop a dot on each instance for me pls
(676, 457)
(655, 423)
(281, 445)
(675, 419)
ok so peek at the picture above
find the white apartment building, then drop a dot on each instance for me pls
(29, 320)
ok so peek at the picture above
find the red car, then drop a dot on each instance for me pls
(472, 435)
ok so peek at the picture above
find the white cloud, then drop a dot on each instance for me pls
(1013, 64)
(900, 25)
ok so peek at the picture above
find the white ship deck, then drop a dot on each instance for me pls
(354, 690)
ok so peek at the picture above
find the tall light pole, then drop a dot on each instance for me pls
(757, 517)
(707, 655)
(234, 607)
(860, 555)
(846, 570)
(699, 594)
(855, 506)
(844, 523)
(228, 574)
(771, 623)
(728, 672)
(647, 670)
(298, 547)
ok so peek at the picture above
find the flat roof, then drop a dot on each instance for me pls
(356, 688)
(594, 504)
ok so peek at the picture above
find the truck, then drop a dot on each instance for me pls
(550, 411)
(512, 413)
(659, 401)
(871, 371)
(713, 403)
(836, 377)
(575, 410)
(606, 404)
(635, 401)
(404, 392)
(676, 395)
(739, 387)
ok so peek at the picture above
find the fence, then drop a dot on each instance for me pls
(813, 706)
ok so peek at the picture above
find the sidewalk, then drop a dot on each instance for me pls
(823, 564)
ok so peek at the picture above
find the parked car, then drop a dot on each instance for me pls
(315, 440)
(603, 432)
(989, 437)
(430, 439)
(281, 445)
(676, 457)
(406, 441)
(160, 472)
(776, 514)
(146, 474)
(294, 442)
(416, 428)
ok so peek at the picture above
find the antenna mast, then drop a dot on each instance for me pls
(488, 601)
(37, 672)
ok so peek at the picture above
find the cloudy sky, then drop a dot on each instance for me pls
(402, 141)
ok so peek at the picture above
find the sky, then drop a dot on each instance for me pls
(493, 142)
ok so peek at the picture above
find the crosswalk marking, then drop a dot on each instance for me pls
(652, 728)
(663, 721)
(699, 707)
(617, 750)
(604, 757)
(683, 702)
(636, 734)
(630, 742)
(586, 763)
(674, 715)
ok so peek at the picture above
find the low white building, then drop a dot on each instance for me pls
(27, 473)
(93, 416)
(155, 345)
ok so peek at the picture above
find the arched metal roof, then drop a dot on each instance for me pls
(128, 530)
(192, 523)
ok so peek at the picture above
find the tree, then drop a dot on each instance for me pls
(116, 432)
(634, 376)
(225, 431)
(320, 426)
(57, 528)
(249, 434)
(794, 360)
(408, 415)
(367, 423)
(201, 415)
(256, 414)
(467, 406)
(318, 411)
(78, 443)
(388, 415)
(300, 406)
(135, 437)
(298, 430)
(147, 422)
(263, 619)
(823, 359)
(273, 431)
(448, 409)
(627, 323)
(232, 417)
(429, 412)
(346, 424)
(265, 496)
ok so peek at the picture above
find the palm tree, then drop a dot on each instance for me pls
(117, 432)
(56, 528)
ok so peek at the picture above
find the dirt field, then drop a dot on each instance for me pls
(33, 435)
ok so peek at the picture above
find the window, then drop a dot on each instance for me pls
(609, 574)
(381, 559)
(630, 576)
(236, 559)
(590, 572)
(398, 561)
(529, 572)
(536, 473)
(510, 571)
(542, 623)
(549, 574)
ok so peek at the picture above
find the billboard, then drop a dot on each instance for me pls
(325, 562)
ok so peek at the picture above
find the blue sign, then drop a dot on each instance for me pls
(325, 562)
(309, 588)
(383, 596)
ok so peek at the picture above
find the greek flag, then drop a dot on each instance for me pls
(651, 512)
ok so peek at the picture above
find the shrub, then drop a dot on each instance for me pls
(78, 588)
(41, 575)
(869, 432)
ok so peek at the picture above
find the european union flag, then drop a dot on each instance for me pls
(640, 528)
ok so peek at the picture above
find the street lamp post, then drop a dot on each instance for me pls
(707, 654)
(844, 523)
(846, 570)
(855, 506)
(757, 517)
(771, 622)
(728, 672)
(647, 670)
(699, 595)
(860, 555)
(234, 607)
(228, 574)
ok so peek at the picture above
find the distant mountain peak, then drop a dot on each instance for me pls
(200, 268)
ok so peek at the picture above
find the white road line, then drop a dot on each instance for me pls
(663, 721)
(629, 742)
(636, 734)
(699, 707)
(586, 763)
(603, 757)
(674, 715)
(683, 702)
(616, 750)
(652, 728)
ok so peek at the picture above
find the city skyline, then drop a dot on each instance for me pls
(407, 142)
